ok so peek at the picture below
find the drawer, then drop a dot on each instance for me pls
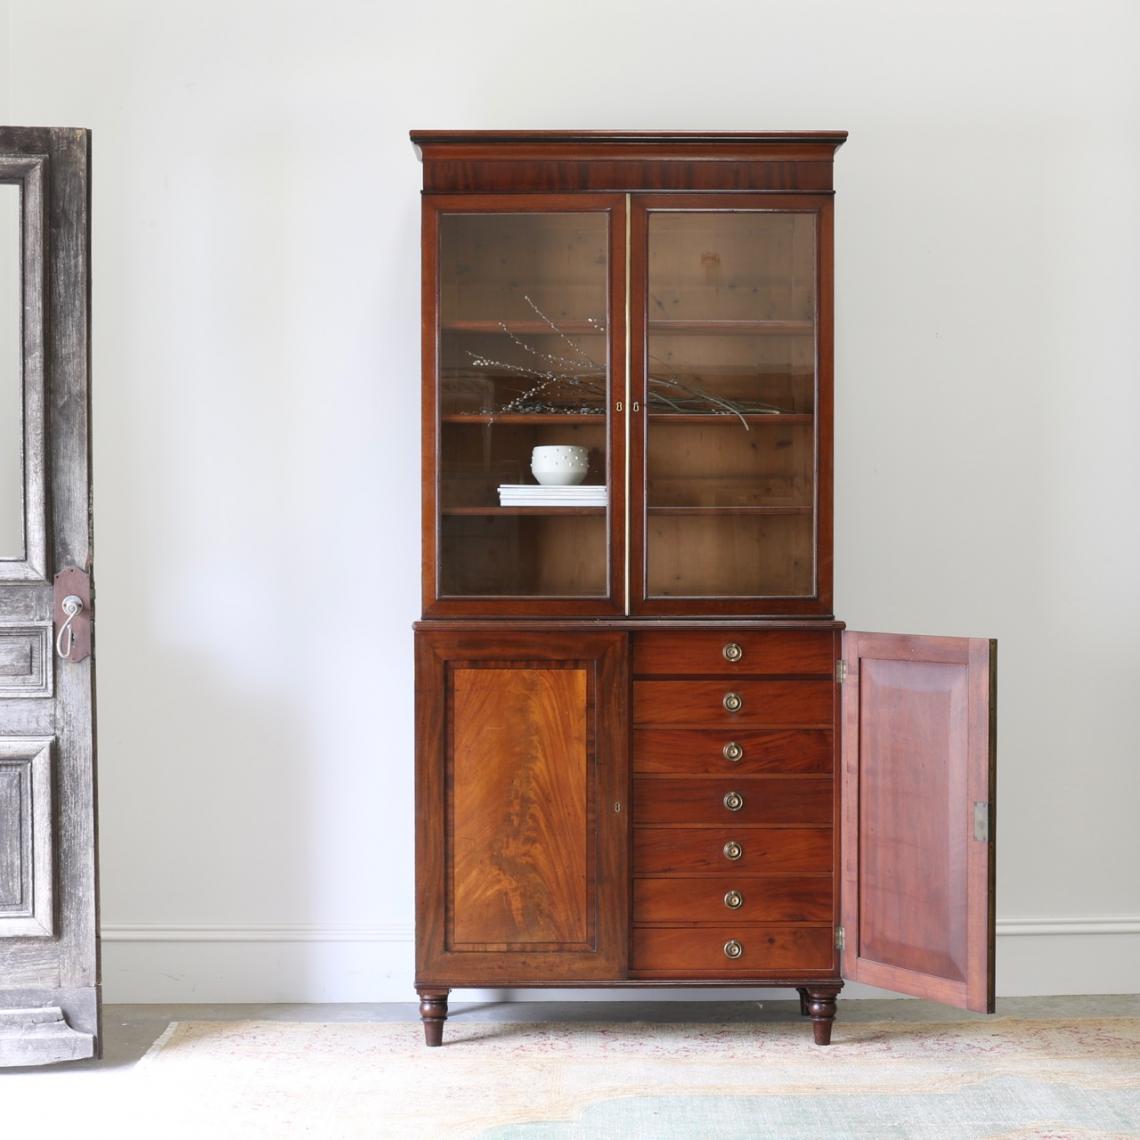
(698, 850)
(733, 898)
(695, 751)
(732, 800)
(729, 652)
(763, 950)
(731, 702)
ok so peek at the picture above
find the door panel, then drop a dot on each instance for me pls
(520, 788)
(49, 985)
(918, 747)
(521, 817)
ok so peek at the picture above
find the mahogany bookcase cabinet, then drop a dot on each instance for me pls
(647, 753)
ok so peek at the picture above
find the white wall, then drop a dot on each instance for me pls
(256, 393)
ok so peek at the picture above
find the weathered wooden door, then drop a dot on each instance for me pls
(49, 979)
(918, 809)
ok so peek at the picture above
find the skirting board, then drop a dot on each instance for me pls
(144, 962)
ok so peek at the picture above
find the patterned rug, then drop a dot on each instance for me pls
(980, 1079)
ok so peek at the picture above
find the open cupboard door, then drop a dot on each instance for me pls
(918, 816)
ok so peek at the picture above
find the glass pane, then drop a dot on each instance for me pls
(523, 377)
(11, 378)
(730, 451)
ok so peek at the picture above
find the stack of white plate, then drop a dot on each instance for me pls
(529, 495)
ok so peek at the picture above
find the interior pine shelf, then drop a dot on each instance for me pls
(735, 328)
(517, 418)
(525, 328)
(504, 512)
(729, 418)
(729, 510)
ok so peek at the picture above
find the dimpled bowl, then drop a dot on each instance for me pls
(559, 465)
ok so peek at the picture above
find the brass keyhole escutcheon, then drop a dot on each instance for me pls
(734, 900)
(733, 850)
(732, 751)
(732, 652)
(734, 801)
(733, 949)
(733, 702)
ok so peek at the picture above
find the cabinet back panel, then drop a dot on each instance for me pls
(730, 555)
(521, 786)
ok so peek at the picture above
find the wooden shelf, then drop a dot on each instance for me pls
(729, 418)
(506, 512)
(729, 510)
(584, 328)
(524, 328)
(514, 419)
(734, 328)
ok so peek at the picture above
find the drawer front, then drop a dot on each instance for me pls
(700, 751)
(710, 704)
(763, 950)
(733, 899)
(733, 652)
(701, 850)
(729, 800)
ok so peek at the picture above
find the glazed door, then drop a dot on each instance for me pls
(49, 985)
(918, 816)
(524, 411)
(730, 444)
(521, 807)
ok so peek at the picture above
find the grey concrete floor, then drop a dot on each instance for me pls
(130, 1030)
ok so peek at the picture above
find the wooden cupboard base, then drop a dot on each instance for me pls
(433, 1013)
(818, 1002)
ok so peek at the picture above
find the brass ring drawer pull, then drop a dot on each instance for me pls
(734, 900)
(733, 949)
(733, 702)
(732, 751)
(734, 801)
(733, 850)
(732, 652)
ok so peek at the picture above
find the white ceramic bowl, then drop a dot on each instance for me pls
(559, 465)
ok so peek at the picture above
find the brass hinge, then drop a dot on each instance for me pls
(839, 938)
(840, 672)
(982, 822)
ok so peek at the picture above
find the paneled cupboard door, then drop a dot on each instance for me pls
(524, 432)
(919, 716)
(521, 807)
(731, 439)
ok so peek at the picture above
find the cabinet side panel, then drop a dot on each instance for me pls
(519, 802)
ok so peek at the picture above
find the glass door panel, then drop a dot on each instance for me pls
(523, 381)
(730, 400)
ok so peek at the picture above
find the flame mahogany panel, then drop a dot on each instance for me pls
(520, 786)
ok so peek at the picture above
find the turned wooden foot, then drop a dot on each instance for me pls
(433, 1013)
(803, 1000)
(821, 1009)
